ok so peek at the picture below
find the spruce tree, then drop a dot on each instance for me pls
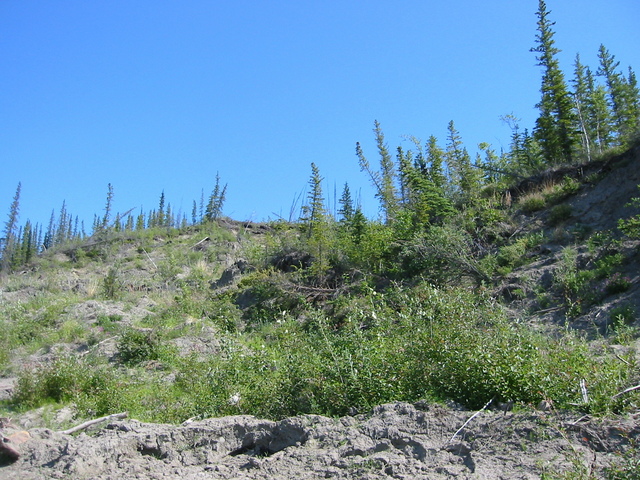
(314, 218)
(313, 213)
(160, 217)
(216, 201)
(169, 220)
(624, 96)
(346, 210)
(194, 213)
(388, 174)
(435, 162)
(383, 180)
(38, 238)
(61, 228)
(107, 209)
(9, 243)
(633, 102)
(581, 102)
(140, 221)
(117, 223)
(598, 113)
(615, 88)
(28, 250)
(464, 176)
(555, 125)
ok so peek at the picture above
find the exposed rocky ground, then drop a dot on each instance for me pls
(399, 440)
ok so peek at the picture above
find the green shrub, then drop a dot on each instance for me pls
(623, 313)
(617, 284)
(63, 380)
(607, 264)
(111, 285)
(443, 255)
(109, 322)
(559, 213)
(631, 226)
(136, 346)
(514, 255)
(628, 465)
(570, 186)
(532, 202)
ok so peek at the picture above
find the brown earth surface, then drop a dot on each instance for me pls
(397, 440)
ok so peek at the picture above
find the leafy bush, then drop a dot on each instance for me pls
(532, 202)
(65, 379)
(443, 255)
(624, 314)
(136, 346)
(403, 344)
(631, 226)
(559, 213)
(111, 285)
(628, 465)
(570, 186)
(617, 284)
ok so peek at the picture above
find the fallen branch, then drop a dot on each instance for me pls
(576, 422)
(470, 418)
(82, 426)
(622, 360)
(150, 259)
(205, 239)
(93, 347)
(630, 389)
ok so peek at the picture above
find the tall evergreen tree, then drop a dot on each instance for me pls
(140, 220)
(28, 247)
(216, 201)
(383, 180)
(624, 96)
(314, 218)
(49, 235)
(555, 125)
(346, 210)
(313, 213)
(598, 113)
(633, 100)
(194, 213)
(38, 238)
(388, 173)
(160, 216)
(202, 204)
(464, 176)
(435, 162)
(117, 223)
(107, 209)
(9, 243)
(169, 219)
(615, 88)
(61, 229)
(581, 103)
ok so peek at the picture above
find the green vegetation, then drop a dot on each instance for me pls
(405, 344)
(169, 318)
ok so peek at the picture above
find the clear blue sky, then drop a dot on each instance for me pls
(153, 95)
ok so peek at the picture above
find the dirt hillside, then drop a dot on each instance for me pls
(397, 440)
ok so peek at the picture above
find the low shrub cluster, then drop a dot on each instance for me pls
(425, 342)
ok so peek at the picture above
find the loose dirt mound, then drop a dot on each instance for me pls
(396, 440)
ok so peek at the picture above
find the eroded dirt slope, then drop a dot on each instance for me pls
(396, 440)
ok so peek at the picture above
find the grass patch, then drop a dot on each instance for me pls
(405, 345)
